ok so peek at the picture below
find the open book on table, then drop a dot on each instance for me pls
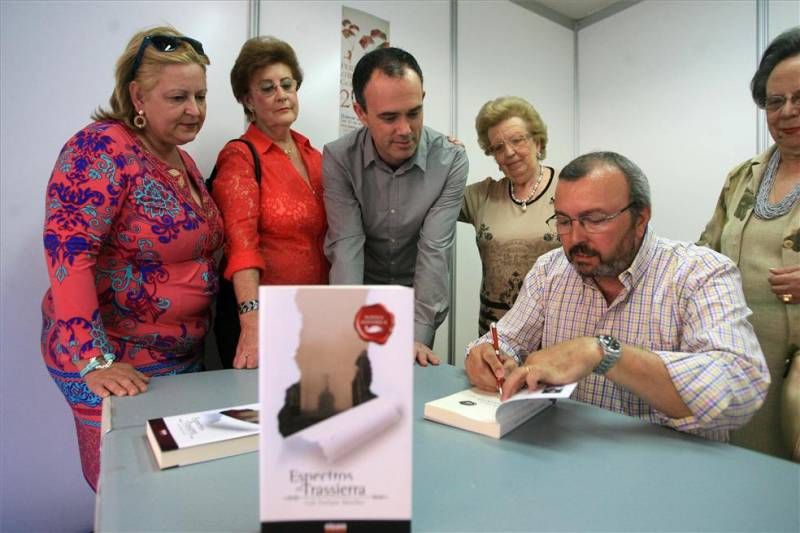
(203, 435)
(483, 412)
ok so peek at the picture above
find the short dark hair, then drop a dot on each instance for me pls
(638, 186)
(257, 53)
(391, 61)
(785, 45)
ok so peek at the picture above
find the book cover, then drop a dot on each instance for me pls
(483, 412)
(336, 390)
(204, 435)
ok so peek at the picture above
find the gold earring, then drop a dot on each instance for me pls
(139, 121)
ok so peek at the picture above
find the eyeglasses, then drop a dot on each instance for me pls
(518, 144)
(287, 85)
(164, 43)
(591, 223)
(775, 102)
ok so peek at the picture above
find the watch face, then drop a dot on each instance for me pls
(611, 352)
(610, 343)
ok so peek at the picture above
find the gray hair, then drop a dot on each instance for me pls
(638, 186)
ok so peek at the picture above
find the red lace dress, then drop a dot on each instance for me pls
(279, 227)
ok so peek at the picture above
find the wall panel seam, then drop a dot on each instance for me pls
(451, 323)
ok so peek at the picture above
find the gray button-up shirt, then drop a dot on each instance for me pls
(395, 226)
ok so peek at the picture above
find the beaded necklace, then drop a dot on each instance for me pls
(763, 208)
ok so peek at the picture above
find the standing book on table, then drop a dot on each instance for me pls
(483, 412)
(336, 390)
(202, 436)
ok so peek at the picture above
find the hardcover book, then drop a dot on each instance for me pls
(483, 412)
(336, 389)
(202, 436)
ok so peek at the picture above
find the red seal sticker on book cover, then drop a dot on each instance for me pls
(374, 323)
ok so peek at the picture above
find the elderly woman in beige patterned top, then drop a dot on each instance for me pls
(509, 213)
(757, 224)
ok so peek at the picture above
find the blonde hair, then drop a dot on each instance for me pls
(121, 106)
(503, 108)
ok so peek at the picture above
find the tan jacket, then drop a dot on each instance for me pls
(723, 233)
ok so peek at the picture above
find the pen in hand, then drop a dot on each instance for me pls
(496, 346)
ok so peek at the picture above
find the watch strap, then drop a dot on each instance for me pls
(248, 306)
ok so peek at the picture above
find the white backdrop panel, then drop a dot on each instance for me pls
(783, 14)
(665, 83)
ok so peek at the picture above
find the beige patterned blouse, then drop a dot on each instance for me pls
(509, 239)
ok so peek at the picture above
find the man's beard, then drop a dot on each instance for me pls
(611, 268)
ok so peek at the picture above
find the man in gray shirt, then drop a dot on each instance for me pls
(393, 191)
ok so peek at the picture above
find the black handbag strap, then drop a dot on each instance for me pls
(256, 163)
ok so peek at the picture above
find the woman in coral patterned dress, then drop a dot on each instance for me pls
(274, 230)
(129, 235)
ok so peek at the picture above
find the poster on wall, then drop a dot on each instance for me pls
(335, 390)
(361, 33)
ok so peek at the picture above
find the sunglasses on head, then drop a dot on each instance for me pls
(164, 43)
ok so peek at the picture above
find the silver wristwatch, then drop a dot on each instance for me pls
(612, 349)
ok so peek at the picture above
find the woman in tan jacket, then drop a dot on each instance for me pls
(757, 224)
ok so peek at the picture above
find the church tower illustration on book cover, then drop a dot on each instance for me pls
(335, 371)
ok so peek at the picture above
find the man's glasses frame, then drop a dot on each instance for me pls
(591, 223)
(164, 43)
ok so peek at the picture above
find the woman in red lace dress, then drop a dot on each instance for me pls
(273, 231)
(129, 235)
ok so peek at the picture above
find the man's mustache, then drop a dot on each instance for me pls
(583, 249)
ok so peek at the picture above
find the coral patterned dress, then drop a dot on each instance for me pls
(129, 256)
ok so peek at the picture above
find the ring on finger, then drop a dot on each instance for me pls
(787, 298)
(528, 369)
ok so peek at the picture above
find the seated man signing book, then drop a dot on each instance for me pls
(649, 327)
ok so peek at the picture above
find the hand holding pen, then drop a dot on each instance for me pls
(496, 346)
(486, 367)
